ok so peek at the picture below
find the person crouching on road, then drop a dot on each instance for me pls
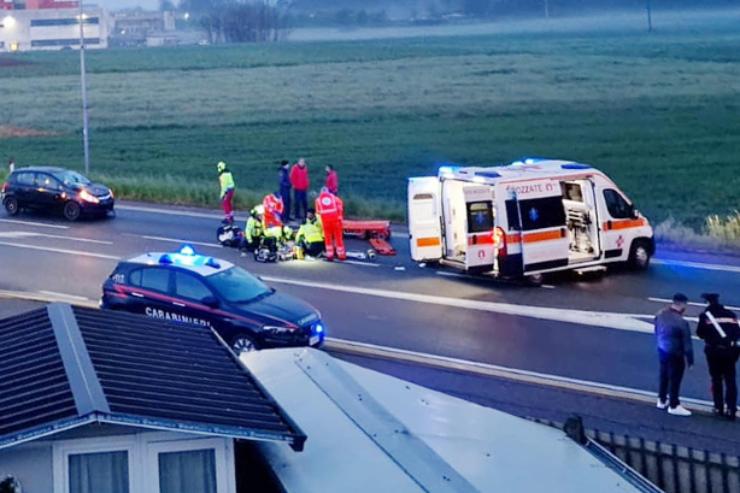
(719, 329)
(674, 351)
(310, 237)
(254, 230)
(226, 180)
(331, 211)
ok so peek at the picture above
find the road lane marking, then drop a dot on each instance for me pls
(181, 242)
(35, 224)
(692, 303)
(174, 212)
(491, 370)
(619, 321)
(360, 263)
(33, 234)
(65, 295)
(698, 265)
(77, 253)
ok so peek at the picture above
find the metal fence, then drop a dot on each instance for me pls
(672, 468)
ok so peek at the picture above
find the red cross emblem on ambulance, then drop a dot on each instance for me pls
(620, 241)
(481, 254)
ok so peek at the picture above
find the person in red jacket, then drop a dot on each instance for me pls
(300, 182)
(273, 216)
(332, 179)
(331, 210)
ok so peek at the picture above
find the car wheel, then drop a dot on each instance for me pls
(535, 279)
(72, 211)
(242, 344)
(639, 258)
(11, 206)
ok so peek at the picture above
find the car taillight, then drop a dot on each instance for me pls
(6, 185)
(499, 241)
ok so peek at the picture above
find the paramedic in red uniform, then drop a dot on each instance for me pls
(273, 215)
(331, 210)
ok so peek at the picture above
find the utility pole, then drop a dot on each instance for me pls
(83, 84)
(547, 9)
(649, 10)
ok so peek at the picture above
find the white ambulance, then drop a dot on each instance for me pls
(526, 219)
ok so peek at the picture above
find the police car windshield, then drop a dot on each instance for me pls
(236, 285)
(72, 178)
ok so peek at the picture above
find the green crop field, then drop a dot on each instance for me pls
(660, 113)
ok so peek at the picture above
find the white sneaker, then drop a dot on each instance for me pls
(679, 411)
(661, 404)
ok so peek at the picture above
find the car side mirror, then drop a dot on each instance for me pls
(211, 302)
(634, 213)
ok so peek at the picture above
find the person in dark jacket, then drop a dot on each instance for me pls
(674, 351)
(284, 176)
(719, 329)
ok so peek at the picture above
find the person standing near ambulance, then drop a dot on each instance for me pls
(300, 182)
(330, 209)
(719, 329)
(228, 187)
(332, 179)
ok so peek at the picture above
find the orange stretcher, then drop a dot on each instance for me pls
(377, 232)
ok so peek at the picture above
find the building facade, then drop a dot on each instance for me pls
(51, 25)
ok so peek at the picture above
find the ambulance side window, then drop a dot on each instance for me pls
(616, 205)
(547, 212)
(155, 279)
(512, 216)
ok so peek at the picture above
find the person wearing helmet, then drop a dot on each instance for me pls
(226, 180)
(253, 231)
(310, 237)
(331, 211)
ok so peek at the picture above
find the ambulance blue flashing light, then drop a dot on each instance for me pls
(488, 174)
(575, 166)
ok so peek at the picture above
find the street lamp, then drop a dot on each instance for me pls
(83, 85)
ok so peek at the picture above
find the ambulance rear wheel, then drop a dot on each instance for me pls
(535, 279)
(639, 258)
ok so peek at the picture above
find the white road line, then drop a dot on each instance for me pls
(35, 224)
(698, 265)
(693, 303)
(175, 212)
(64, 295)
(490, 370)
(358, 262)
(619, 321)
(451, 274)
(33, 234)
(181, 242)
(547, 286)
(78, 253)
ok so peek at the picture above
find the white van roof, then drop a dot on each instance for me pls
(519, 170)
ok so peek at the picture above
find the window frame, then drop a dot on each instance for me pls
(143, 460)
(630, 206)
(173, 285)
(21, 173)
(167, 291)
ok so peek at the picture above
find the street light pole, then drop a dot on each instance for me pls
(649, 9)
(83, 84)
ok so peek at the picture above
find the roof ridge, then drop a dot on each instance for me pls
(83, 380)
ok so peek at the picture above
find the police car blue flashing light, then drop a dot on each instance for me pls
(187, 250)
(319, 328)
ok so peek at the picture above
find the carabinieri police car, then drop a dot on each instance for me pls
(195, 289)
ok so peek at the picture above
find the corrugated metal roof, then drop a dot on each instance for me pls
(126, 369)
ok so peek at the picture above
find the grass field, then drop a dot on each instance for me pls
(660, 113)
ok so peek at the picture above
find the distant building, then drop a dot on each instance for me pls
(143, 28)
(51, 25)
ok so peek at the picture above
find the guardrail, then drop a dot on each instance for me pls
(672, 468)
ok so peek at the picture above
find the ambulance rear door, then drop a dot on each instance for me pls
(542, 222)
(480, 253)
(425, 222)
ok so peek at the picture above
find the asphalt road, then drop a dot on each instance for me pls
(594, 329)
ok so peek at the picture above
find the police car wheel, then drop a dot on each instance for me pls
(11, 206)
(242, 343)
(639, 256)
(72, 211)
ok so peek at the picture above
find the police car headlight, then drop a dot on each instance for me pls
(276, 330)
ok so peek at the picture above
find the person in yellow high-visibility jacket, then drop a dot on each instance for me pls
(228, 187)
(310, 235)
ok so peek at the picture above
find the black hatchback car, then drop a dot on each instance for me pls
(199, 290)
(64, 191)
